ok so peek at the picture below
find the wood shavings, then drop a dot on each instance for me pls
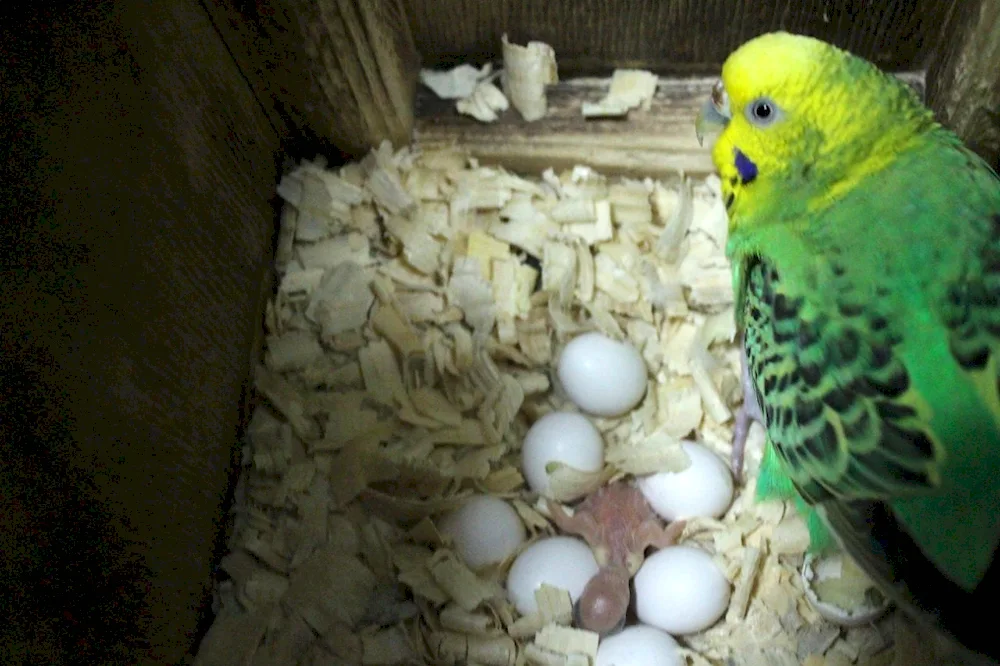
(454, 648)
(422, 303)
(500, 408)
(459, 581)
(790, 535)
(293, 350)
(387, 646)
(562, 645)
(526, 72)
(714, 405)
(472, 294)
(748, 576)
(615, 280)
(455, 618)
(659, 452)
(287, 400)
(630, 88)
(233, 640)
(381, 373)
(457, 82)
(484, 103)
(534, 521)
(330, 588)
(419, 248)
(554, 608)
(567, 484)
(341, 300)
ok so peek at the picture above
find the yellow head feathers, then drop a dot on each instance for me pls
(804, 114)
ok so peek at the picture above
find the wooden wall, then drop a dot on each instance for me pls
(964, 78)
(341, 71)
(136, 231)
(674, 36)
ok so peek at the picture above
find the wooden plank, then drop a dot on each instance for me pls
(138, 227)
(676, 37)
(331, 73)
(964, 81)
(657, 143)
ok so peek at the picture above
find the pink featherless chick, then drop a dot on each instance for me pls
(619, 525)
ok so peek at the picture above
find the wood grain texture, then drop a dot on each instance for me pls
(138, 226)
(329, 72)
(657, 143)
(672, 36)
(964, 80)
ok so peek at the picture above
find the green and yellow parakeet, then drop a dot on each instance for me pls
(865, 245)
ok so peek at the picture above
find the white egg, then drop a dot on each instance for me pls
(566, 437)
(485, 530)
(639, 646)
(704, 489)
(602, 376)
(680, 590)
(562, 562)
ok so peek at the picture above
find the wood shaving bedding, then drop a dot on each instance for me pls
(423, 300)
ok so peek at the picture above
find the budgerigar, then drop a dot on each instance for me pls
(865, 244)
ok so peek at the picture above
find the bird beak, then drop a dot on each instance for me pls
(714, 115)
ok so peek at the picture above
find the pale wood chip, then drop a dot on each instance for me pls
(287, 400)
(473, 294)
(330, 588)
(567, 484)
(500, 407)
(459, 581)
(629, 89)
(555, 607)
(484, 103)
(388, 191)
(526, 72)
(585, 273)
(573, 645)
(504, 480)
(790, 535)
(381, 373)
(657, 452)
(331, 252)
(455, 618)
(233, 640)
(388, 322)
(420, 249)
(675, 210)
(387, 646)
(459, 649)
(711, 398)
(615, 279)
(559, 269)
(298, 284)
(342, 300)
(749, 569)
(262, 588)
(287, 646)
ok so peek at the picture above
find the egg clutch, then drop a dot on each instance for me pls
(601, 554)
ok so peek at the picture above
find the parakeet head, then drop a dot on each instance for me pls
(802, 115)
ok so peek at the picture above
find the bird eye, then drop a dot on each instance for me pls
(762, 112)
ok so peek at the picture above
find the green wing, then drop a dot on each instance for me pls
(839, 405)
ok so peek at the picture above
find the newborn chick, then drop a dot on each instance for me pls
(748, 412)
(619, 525)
